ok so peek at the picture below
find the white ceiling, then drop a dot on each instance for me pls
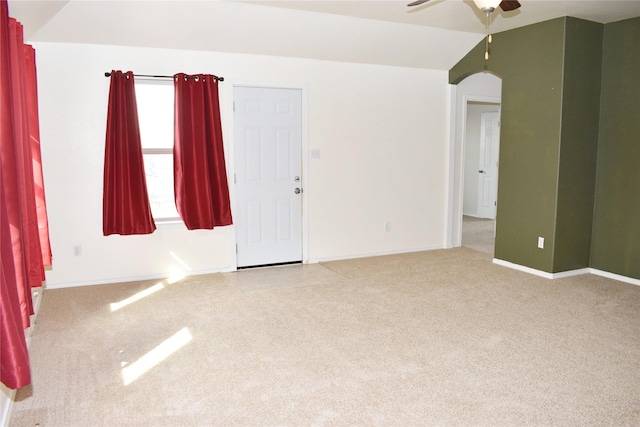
(434, 35)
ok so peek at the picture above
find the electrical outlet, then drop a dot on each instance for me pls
(387, 226)
(541, 242)
(77, 250)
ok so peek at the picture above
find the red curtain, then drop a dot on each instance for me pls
(125, 202)
(24, 241)
(14, 358)
(36, 156)
(14, 366)
(200, 176)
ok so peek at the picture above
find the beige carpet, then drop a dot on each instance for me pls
(432, 338)
(478, 234)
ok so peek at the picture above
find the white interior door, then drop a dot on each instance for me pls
(488, 168)
(268, 165)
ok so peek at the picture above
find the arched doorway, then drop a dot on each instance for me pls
(477, 89)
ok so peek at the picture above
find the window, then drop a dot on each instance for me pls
(155, 115)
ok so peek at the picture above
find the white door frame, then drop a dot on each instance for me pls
(458, 122)
(230, 138)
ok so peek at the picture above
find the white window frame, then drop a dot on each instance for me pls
(158, 150)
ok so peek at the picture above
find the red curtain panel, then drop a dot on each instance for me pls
(19, 184)
(14, 358)
(21, 253)
(200, 176)
(125, 202)
(36, 155)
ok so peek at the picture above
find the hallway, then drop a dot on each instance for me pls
(478, 234)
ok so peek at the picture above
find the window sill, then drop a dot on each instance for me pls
(170, 224)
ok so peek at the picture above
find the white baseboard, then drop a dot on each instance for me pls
(226, 269)
(540, 273)
(373, 254)
(570, 273)
(135, 278)
(615, 276)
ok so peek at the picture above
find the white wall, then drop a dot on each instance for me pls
(381, 131)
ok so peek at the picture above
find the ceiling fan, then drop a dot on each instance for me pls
(487, 6)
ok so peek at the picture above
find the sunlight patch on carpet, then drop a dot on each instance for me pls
(175, 277)
(115, 306)
(135, 370)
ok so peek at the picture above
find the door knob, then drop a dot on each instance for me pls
(297, 190)
(481, 171)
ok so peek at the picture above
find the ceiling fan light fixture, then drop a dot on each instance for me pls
(487, 5)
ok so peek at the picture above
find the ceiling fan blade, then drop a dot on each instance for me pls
(417, 2)
(508, 5)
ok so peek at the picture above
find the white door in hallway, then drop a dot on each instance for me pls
(488, 168)
(268, 165)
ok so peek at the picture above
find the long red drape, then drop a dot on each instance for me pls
(36, 155)
(24, 240)
(14, 358)
(200, 178)
(125, 203)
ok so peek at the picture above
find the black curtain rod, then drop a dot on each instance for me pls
(108, 74)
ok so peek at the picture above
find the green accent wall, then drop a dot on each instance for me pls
(616, 233)
(579, 144)
(553, 125)
(530, 62)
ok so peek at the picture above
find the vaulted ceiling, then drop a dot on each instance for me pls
(434, 35)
